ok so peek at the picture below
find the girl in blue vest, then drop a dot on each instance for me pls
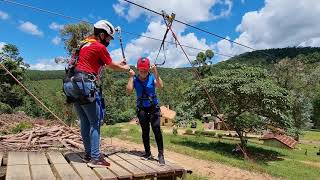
(148, 111)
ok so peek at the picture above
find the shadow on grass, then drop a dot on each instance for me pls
(258, 154)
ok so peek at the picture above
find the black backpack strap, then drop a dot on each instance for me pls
(77, 53)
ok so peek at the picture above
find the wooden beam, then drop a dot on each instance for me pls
(18, 172)
(17, 158)
(80, 167)
(40, 172)
(38, 158)
(105, 174)
(1, 156)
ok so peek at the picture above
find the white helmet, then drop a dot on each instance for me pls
(105, 25)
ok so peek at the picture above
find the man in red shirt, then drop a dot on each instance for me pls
(93, 57)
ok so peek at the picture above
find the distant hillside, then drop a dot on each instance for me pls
(36, 75)
(256, 58)
(166, 73)
(271, 56)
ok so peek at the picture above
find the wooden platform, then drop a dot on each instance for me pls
(69, 166)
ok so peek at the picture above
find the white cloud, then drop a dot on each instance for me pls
(2, 45)
(47, 64)
(280, 23)
(146, 47)
(30, 28)
(4, 15)
(55, 26)
(201, 11)
(56, 40)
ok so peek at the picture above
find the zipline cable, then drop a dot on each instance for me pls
(79, 19)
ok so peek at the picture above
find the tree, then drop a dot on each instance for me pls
(316, 110)
(293, 75)
(10, 94)
(72, 34)
(184, 113)
(246, 96)
(203, 61)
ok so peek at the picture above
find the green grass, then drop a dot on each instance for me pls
(275, 161)
(20, 127)
(311, 136)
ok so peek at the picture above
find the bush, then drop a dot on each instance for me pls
(126, 116)
(189, 131)
(209, 133)
(220, 135)
(20, 127)
(175, 131)
(204, 133)
(198, 132)
(5, 108)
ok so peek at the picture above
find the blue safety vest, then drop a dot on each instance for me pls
(146, 91)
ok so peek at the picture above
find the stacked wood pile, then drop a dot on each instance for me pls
(10, 121)
(42, 134)
(43, 137)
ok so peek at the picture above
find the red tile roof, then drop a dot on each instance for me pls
(284, 139)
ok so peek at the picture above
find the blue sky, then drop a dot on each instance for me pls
(250, 22)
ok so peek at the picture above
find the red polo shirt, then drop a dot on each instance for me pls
(92, 57)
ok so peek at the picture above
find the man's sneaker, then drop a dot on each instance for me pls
(147, 156)
(161, 160)
(86, 158)
(98, 163)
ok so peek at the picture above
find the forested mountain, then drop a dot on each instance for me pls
(292, 72)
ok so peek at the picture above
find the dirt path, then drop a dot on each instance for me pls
(212, 170)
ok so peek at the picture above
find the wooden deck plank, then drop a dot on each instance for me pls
(148, 170)
(84, 171)
(138, 173)
(160, 169)
(17, 158)
(80, 167)
(127, 156)
(65, 172)
(176, 167)
(119, 171)
(105, 174)
(132, 156)
(166, 166)
(114, 157)
(179, 170)
(40, 172)
(37, 158)
(134, 161)
(73, 157)
(56, 158)
(1, 156)
(18, 172)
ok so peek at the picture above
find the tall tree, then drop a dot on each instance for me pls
(72, 34)
(247, 97)
(292, 74)
(9, 93)
(203, 61)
